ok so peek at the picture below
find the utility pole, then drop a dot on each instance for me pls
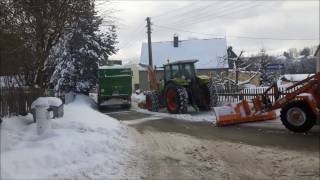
(149, 41)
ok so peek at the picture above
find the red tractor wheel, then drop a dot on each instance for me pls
(171, 100)
(176, 99)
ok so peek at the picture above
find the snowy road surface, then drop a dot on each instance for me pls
(183, 149)
(129, 144)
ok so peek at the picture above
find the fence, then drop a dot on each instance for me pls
(232, 95)
(17, 101)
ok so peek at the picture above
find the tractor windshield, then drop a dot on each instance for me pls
(187, 70)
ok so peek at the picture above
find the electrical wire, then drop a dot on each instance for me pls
(242, 37)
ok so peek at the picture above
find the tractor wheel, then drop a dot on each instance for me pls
(176, 98)
(209, 97)
(152, 101)
(297, 116)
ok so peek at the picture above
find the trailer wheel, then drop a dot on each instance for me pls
(98, 104)
(176, 99)
(297, 116)
(152, 101)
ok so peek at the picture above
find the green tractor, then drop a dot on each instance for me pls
(180, 87)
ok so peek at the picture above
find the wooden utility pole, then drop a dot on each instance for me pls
(149, 41)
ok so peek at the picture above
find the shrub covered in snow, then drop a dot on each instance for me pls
(79, 51)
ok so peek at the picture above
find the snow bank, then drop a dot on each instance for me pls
(84, 144)
(46, 101)
(207, 116)
(136, 99)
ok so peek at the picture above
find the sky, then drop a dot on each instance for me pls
(250, 26)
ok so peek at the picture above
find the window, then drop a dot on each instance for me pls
(187, 70)
(175, 71)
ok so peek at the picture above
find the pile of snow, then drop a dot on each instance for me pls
(137, 98)
(84, 144)
(46, 101)
(206, 116)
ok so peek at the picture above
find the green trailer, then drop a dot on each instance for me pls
(114, 86)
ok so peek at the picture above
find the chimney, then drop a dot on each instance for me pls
(175, 41)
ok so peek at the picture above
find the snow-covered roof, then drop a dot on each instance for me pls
(211, 53)
(115, 67)
(281, 57)
(295, 77)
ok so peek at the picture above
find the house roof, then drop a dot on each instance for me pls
(211, 53)
(183, 62)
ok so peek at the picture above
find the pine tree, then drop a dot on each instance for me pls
(81, 49)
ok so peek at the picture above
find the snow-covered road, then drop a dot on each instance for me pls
(194, 149)
(136, 144)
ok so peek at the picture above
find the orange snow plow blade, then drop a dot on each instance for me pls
(241, 113)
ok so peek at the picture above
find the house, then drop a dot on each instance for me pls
(211, 54)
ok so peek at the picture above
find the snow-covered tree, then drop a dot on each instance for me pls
(80, 50)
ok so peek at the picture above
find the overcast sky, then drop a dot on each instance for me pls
(247, 25)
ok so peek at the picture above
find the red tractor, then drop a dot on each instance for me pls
(300, 106)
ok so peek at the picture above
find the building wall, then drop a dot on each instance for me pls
(135, 75)
(144, 83)
(318, 61)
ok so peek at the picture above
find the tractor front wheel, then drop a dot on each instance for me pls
(209, 97)
(297, 116)
(152, 101)
(176, 99)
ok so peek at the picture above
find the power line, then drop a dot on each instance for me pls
(183, 16)
(171, 11)
(137, 30)
(204, 13)
(241, 37)
(215, 16)
(166, 27)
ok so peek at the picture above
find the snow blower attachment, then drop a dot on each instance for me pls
(242, 112)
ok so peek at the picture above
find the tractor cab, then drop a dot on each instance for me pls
(183, 71)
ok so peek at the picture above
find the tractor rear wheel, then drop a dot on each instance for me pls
(209, 96)
(152, 101)
(176, 98)
(297, 116)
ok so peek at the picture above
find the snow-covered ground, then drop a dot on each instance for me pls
(208, 116)
(84, 144)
